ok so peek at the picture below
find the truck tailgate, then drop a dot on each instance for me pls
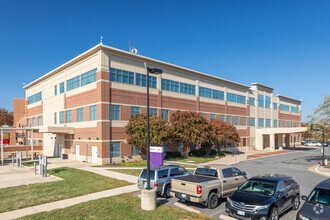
(188, 184)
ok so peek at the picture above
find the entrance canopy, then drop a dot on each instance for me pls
(56, 130)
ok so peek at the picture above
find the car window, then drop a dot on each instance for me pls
(228, 172)
(174, 172)
(162, 174)
(144, 174)
(182, 171)
(206, 172)
(258, 187)
(236, 172)
(288, 184)
(320, 196)
(281, 187)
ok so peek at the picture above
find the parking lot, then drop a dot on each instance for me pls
(294, 164)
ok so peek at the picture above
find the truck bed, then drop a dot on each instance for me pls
(196, 178)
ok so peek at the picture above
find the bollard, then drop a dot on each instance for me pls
(20, 158)
(40, 164)
(12, 161)
(45, 165)
(17, 158)
(35, 168)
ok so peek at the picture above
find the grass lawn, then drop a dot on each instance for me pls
(31, 163)
(75, 183)
(124, 206)
(198, 159)
(133, 172)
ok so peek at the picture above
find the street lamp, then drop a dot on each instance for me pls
(147, 202)
(312, 128)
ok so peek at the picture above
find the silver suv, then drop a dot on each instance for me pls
(160, 178)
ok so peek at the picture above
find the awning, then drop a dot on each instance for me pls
(56, 130)
(280, 130)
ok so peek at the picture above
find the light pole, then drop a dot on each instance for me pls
(312, 128)
(147, 202)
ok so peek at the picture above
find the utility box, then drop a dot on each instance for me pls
(156, 156)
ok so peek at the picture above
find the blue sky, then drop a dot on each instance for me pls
(282, 44)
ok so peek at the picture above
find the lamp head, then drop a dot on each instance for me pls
(155, 71)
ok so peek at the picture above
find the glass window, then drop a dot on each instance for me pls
(222, 117)
(55, 89)
(284, 107)
(206, 172)
(68, 116)
(187, 88)
(88, 77)
(261, 122)
(162, 174)
(114, 112)
(212, 117)
(267, 102)
(258, 187)
(218, 94)
(268, 123)
(61, 87)
(320, 196)
(135, 151)
(252, 101)
(93, 112)
(166, 148)
(134, 111)
(244, 121)
(274, 105)
(153, 111)
(39, 120)
(55, 117)
(244, 142)
(170, 85)
(115, 149)
(144, 174)
(205, 92)
(35, 98)
(236, 120)
(227, 173)
(294, 109)
(182, 171)
(40, 142)
(241, 99)
(202, 114)
(165, 114)
(252, 121)
(73, 83)
(228, 119)
(34, 121)
(174, 172)
(275, 123)
(80, 114)
(231, 97)
(260, 100)
(141, 80)
(61, 117)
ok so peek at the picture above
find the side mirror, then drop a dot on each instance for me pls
(304, 198)
(244, 174)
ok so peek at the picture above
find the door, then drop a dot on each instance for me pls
(94, 154)
(282, 197)
(77, 152)
(239, 178)
(229, 184)
(56, 150)
(60, 147)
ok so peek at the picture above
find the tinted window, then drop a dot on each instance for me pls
(174, 172)
(258, 187)
(144, 174)
(206, 172)
(321, 196)
(236, 172)
(162, 174)
(281, 187)
(227, 173)
(182, 171)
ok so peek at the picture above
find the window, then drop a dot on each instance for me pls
(275, 124)
(135, 151)
(206, 172)
(68, 116)
(252, 101)
(35, 98)
(284, 123)
(231, 97)
(170, 85)
(236, 120)
(115, 149)
(35, 142)
(61, 117)
(93, 112)
(241, 99)
(34, 121)
(284, 107)
(166, 148)
(174, 172)
(222, 117)
(153, 111)
(40, 142)
(228, 119)
(289, 124)
(252, 121)
(227, 173)
(134, 111)
(55, 117)
(244, 142)
(212, 117)
(116, 75)
(165, 114)
(274, 105)
(114, 112)
(218, 94)
(260, 100)
(162, 174)
(61, 87)
(267, 102)
(294, 109)
(202, 114)
(244, 121)
(73, 83)
(88, 77)
(141, 80)
(80, 114)
(55, 89)
(268, 123)
(39, 120)
(280, 124)
(152, 82)
(187, 88)
(128, 77)
(205, 92)
(261, 122)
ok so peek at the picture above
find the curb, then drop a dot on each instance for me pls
(225, 217)
(321, 173)
(187, 208)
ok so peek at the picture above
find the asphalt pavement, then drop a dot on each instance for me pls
(295, 164)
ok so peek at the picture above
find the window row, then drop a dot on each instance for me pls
(235, 98)
(115, 150)
(211, 93)
(174, 86)
(80, 115)
(288, 124)
(35, 98)
(34, 122)
(127, 77)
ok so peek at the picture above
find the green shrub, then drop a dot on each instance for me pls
(213, 152)
(172, 155)
(197, 153)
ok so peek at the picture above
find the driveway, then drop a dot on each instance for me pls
(295, 164)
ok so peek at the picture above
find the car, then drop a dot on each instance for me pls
(319, 144)
(208, 184)
(160, 178)
(311, 144)
(264, 197)
(317, 204)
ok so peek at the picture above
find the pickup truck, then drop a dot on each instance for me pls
(208, 184)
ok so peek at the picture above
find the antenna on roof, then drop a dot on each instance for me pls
(129, 44)
(132, 49)
(101, 40)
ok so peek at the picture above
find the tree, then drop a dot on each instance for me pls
(190, 128)
(223, 132)
(136, 130)
(6, 117)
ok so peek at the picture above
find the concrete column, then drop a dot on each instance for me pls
(259, 142)
(272, 142)
(280, 140)
(287, 140)
(148, 199)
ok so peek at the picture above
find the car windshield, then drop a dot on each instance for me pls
(258, 187)
(206, 172)
(320, 196)
(144, 174)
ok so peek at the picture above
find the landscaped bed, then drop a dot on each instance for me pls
(124, 206)
(75, 183)
(142, 164)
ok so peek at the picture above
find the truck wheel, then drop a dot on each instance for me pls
(212, 201)
(167, 192)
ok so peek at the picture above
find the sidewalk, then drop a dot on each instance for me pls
(104, 171)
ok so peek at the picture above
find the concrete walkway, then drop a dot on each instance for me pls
(105, 172)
